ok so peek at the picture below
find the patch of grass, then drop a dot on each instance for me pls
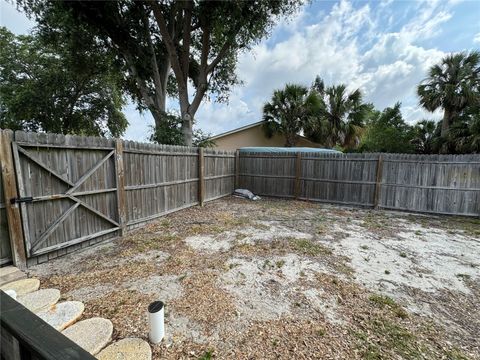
(280, 263)
(383, 301)
(463, 276)
(321, 332)
(398, 338)
(455, 354)
(387, 272)
(373, 222)
(403, 254)
(223, 222)
(308, 247)
(382, 338)
(369, 350)
(418, 233)
(207, 356)
(364, 247)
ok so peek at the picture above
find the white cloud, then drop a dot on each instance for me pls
(337, 49)
(476, 38)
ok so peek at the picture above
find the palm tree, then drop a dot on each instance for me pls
(464, 135)
(341, 119)
(288, 112)
(452, 85)
(423, 136)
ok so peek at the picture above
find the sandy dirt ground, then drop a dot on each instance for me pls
(282, 279)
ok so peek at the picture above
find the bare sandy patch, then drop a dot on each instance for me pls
(261, 286)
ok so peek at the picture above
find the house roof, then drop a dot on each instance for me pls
(237, 130)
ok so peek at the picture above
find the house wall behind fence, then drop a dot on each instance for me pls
(441, 184)
(88, 189)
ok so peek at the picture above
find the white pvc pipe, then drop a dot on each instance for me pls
(156, 321)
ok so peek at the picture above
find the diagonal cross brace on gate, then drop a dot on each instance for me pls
(32, 248)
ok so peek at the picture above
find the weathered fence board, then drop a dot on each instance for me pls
(159, 179)
(5, 250)
(444, 184)
(219, 173)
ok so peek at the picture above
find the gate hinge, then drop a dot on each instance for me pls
(27, 199)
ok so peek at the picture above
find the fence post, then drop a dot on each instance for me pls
(237, 169)
(121, 195)
(10, 192)
(298, 174)
(201, 176)
(378, 182)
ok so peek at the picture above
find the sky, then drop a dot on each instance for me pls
(384, 48)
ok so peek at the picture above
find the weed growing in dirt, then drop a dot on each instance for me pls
(385, 301)
(207, 356)
(308, 247)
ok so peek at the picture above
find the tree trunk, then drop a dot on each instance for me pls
(187, 122)
(157, 113)
(447, 119)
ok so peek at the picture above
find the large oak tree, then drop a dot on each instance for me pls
(195, 41)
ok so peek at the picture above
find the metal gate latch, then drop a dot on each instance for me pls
(27, 199)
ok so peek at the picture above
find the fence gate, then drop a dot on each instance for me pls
(67, 190)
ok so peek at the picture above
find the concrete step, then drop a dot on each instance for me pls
(127, 349)
(22, 287)
(40, 300)
(91, 334)
(62, 314)
(9, 274)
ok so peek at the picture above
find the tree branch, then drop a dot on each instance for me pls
(142, 85)
(169, 44)
(187, 36)
(153, 60)
(221, 54)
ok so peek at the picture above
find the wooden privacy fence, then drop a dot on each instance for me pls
(67, 192)
(440, 184)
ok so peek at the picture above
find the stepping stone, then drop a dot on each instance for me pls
(127, 349)
(91, 334)
(23, 286)
(9, 274)
(63, 314)
(40, 300)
